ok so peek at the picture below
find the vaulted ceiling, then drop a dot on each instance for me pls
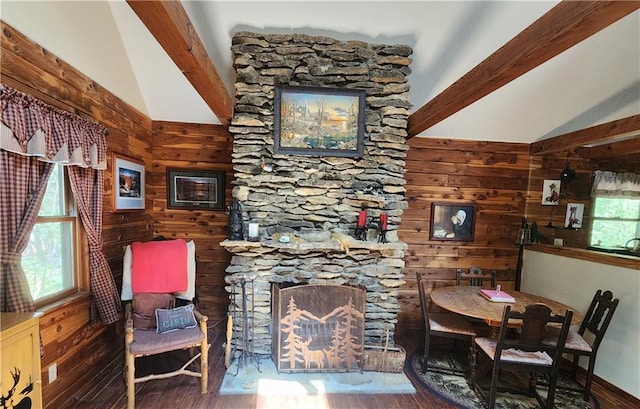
(494, 71)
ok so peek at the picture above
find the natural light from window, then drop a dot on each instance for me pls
(48, 260)
(615, 222)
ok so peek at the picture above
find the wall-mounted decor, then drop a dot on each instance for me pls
(128, 184)
(319, 121)
(452, 221)
(573, 217)
(195, 189)
(551, 192)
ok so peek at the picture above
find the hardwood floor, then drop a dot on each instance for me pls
(184, 392)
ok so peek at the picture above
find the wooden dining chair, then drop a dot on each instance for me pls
(595, 324)
(476, 276)
(443, 324)
(526, 352)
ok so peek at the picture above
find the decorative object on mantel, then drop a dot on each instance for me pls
(382, 232)
(235, 221)
(361, 226)
(254, 232)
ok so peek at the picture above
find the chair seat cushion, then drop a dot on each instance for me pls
(452, 323)
(574, 340)
(488, 345)
(150, 342)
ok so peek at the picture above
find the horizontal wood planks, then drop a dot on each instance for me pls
(195, 147)
(491, 175)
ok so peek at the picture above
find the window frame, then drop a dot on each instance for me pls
(79, 243)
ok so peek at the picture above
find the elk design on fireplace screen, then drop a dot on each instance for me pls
(318, 328)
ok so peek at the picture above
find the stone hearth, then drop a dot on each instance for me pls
(316, 200)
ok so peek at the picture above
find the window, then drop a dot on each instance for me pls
(615, 221)
(49, 261)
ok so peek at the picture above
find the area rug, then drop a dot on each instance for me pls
(455, 390)
(261, 377)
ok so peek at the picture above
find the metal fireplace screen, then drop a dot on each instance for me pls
(318, 328)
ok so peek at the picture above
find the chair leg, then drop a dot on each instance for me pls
(131, 373)
(494, 388)
(589, 378)
(472, 363)
(551, 393)
(204, 366)
(425, 353)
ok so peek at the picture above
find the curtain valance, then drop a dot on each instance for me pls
(32, 128)
(612, 184)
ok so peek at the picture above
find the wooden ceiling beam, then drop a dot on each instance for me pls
(595, 135)
(620, 148)
(559, 29)
(169, 23)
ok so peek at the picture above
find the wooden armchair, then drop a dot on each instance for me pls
(153, 326)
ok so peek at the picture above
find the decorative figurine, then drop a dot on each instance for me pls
(235, 221)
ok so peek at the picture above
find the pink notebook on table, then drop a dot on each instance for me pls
(496, 295)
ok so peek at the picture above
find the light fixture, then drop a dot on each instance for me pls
(567, 174)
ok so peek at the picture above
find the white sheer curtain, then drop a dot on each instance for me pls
(612, 184)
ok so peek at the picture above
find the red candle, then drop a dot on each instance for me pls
(383, 221)
(362, 218)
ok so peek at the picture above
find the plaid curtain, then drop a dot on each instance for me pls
(23, 182)
(33, 133)
(87, 185)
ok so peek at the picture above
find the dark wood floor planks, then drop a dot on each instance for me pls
(184, 392)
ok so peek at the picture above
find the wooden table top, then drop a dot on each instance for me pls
(467, 301)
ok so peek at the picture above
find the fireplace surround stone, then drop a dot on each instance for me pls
(316, 200)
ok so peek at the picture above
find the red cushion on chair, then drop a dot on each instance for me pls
(159, 266)
(144, 309)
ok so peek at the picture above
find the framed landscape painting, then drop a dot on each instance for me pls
(195, 189)
(319, 121)
(128, 184)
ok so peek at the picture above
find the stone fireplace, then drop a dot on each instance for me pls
(315, 200)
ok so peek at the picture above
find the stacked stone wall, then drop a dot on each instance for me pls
(313, 199)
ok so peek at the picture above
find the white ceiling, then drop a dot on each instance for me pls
(594, 82)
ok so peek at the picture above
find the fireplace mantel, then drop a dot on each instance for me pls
(347, 246)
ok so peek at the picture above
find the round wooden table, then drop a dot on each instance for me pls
(467, 301)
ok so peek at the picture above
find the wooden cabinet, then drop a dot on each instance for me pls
(21, 386)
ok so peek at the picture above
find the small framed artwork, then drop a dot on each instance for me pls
(551, 192)
(574, 215)
(128, 184)
(195, 189)
(319, 121)
(452, 221)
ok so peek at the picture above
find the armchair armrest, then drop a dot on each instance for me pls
(202, 319)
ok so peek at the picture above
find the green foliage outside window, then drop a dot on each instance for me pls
(615, 221)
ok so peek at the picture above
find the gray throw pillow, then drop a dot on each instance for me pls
(174, 319)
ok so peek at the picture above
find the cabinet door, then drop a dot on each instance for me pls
(21, 369)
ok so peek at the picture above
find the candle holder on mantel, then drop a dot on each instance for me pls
(361, 226)
(382, 232)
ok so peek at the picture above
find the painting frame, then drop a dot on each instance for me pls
(337, 123)
(195, 189)
(442, 226)
(551, 192)
(128, 184)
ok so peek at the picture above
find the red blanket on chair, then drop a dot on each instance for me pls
(159, 266)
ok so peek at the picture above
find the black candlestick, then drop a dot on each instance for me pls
(235, 221)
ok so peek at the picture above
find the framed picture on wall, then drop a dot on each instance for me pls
(319, 121)
(452, 221)
(128, 184)
(551, 192)
(195, 189)
(574, 215)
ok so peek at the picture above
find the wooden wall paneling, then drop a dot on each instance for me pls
(492, 175)
(83, 352)
(195, 146)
